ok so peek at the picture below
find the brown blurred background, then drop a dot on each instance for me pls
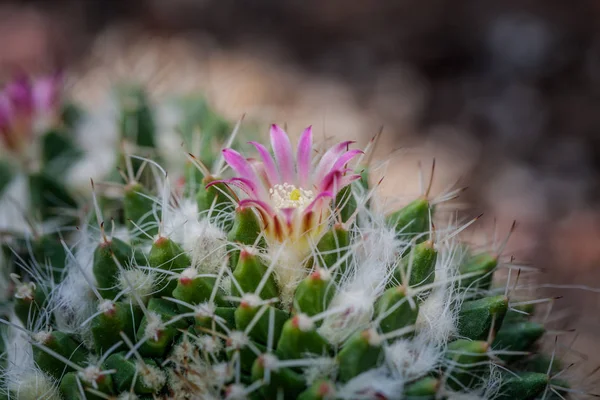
(504, 93)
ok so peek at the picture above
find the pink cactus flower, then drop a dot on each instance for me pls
(292, 194)
(24, 103)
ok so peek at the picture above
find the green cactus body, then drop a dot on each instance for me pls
(281, 280)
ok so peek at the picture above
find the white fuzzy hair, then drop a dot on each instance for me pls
(202, 239)
(23, 378)
(372, 384)
(375, 250)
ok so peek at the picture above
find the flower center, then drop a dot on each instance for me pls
(289, 196)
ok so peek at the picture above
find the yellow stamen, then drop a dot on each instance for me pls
(295, 195)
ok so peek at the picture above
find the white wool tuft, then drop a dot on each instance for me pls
(288, 270)
(324, 369)
(237, 340)
(412, 359)
(151, 376)
(355, 311)
(73, 301)
(201, 238)
(35, 385)
(305, 323)
(489, 388)
(209, 344)
(22, 376)
(372, 384)
(138, 282)
(438, 314)
(376, 250)
(154, 326)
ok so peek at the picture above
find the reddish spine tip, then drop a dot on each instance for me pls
(245, 254)
(185, 280)
(295, 322)
(315, 276)
(161, 241)
(324, 389)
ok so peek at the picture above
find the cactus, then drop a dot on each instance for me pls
(276, 276)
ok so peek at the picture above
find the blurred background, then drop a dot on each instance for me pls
(505, 94)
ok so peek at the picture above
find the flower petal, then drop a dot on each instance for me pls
(283, 153)
(46, 93)
(331, 182)
(329, 159)
(268, 163)
(240, 165)
(319, 199)
(303, 156)
(5, 112)
(260, 205)
(345, 158)
(20, 95)
(246, 185)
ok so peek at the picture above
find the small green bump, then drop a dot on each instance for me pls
(412, 221)
(476, 317)
(237, 348)
(70, 387)
(62, 344)
(194, 289)
(517, 337)
(149, 377)
(29, 301)
(466, 357)
(106, 270)
(332, 248)
(249, 272)
(519, 313)
(404, 311)
(360, 353)
(319, 390)
(246, 229)
(314, 293)
(418, 265)
(482, 266)
(423, 389)
(153, 329)
(283, 380)
(346, 203)
(541, 363)
(113, 319)
(204, 322)
(245, 314)
(217, 197)
(525, 386)
(299, 337)
(167, 255)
